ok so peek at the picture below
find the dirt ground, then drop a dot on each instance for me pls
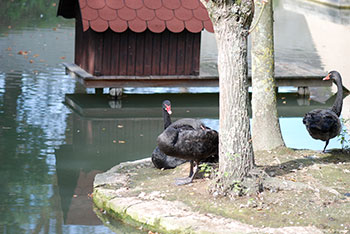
(324, 201)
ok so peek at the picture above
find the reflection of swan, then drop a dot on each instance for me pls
(115, 104)
(159, 159)
(189, 139)
(324, 124)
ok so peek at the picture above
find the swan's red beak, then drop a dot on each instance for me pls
(168, 109)
(327, 77)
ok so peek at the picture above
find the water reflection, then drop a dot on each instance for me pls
(137, 120)
(50, 151)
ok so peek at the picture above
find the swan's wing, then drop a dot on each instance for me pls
(320, 119)
(198, 141)
(185, 127)
(328, 123)
(194, 123)
(322, 124)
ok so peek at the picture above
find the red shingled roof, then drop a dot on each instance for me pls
(139, 15)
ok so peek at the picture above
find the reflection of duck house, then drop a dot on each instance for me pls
(203, 105)
(131, 39)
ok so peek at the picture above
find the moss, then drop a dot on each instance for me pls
(119, 213)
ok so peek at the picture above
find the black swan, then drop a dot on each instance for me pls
(189, 139)
(324, 124)
(159, 159)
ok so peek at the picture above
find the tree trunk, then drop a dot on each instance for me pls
(266, 130)
(231, 20)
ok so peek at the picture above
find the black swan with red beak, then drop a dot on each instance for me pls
(189, 139)
(159, 159)
(324, 124)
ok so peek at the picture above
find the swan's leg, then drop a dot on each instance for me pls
(189, 179)
(324, 149)
(191, 168)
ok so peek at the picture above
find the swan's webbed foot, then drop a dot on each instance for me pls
(189, 179)
(183, 181)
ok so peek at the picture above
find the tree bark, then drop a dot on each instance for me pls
(266, 132)
(231, 21)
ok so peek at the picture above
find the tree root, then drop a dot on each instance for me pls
(258, 181)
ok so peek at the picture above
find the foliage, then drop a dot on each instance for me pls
(206, 169)
(344, 135)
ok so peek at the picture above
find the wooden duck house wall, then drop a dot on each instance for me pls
(130, 53)
(137, 37)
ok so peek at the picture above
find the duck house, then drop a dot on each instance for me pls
(127, 38)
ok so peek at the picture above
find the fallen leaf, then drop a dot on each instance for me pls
(54, 29)
(21, 52)
(63, 57)
(150, 232)
(9, 49)
(31, 61)
(35, 55)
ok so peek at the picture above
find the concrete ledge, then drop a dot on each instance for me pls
(114, 193)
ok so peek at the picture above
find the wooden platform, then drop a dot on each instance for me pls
(91, 81)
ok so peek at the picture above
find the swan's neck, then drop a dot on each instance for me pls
(338, 104)
(166, 118)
